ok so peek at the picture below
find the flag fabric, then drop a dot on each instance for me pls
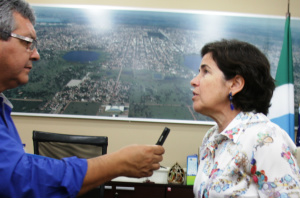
(298, 132)
(281, 111)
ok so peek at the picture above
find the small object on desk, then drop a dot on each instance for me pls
(176, 174)
(191, 169)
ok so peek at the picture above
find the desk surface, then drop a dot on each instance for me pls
(147, 184)
(148, 190)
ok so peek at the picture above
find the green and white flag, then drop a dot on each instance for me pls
(281, 111)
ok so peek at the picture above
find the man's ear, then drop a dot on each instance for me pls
(237, 85)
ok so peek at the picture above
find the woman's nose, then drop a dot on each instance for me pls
(194, 82)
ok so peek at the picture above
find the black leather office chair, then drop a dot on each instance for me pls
(62, 145)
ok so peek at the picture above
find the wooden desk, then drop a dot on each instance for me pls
(146, 190)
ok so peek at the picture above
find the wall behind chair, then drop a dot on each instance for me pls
(184, 139)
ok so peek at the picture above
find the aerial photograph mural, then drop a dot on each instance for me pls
(132, 63)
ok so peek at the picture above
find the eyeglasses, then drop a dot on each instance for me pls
(31, 43)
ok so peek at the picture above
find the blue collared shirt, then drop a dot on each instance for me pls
(25, 175)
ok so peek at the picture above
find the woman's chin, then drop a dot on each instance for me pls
(198, 109)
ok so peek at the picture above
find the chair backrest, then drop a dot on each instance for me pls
(57, 145)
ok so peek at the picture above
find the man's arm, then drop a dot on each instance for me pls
(131, 161)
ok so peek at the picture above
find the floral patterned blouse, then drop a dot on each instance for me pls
(252, 157)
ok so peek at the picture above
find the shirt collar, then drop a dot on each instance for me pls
(6, 101)
(240, 123)
(237, 126)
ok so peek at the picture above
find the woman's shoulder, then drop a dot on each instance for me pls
(265, 131)
(261, 123)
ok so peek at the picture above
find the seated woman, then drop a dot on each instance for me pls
(245, 154)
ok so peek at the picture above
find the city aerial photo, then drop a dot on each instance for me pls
(132, 63)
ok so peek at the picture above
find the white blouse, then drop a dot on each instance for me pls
(252, 157)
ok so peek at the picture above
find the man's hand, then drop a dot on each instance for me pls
(140, 160)
(131, 161)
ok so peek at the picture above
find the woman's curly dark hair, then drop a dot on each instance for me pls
(235, 57)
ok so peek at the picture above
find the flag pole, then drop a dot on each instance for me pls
(288, 9)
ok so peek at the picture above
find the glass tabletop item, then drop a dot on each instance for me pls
(176, 174)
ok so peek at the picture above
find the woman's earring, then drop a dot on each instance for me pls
(230, 99)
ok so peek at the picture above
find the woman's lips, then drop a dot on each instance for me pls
(194, 95)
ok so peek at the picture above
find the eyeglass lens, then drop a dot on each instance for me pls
(33, 45)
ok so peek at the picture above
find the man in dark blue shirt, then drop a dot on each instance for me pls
(30, 176)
